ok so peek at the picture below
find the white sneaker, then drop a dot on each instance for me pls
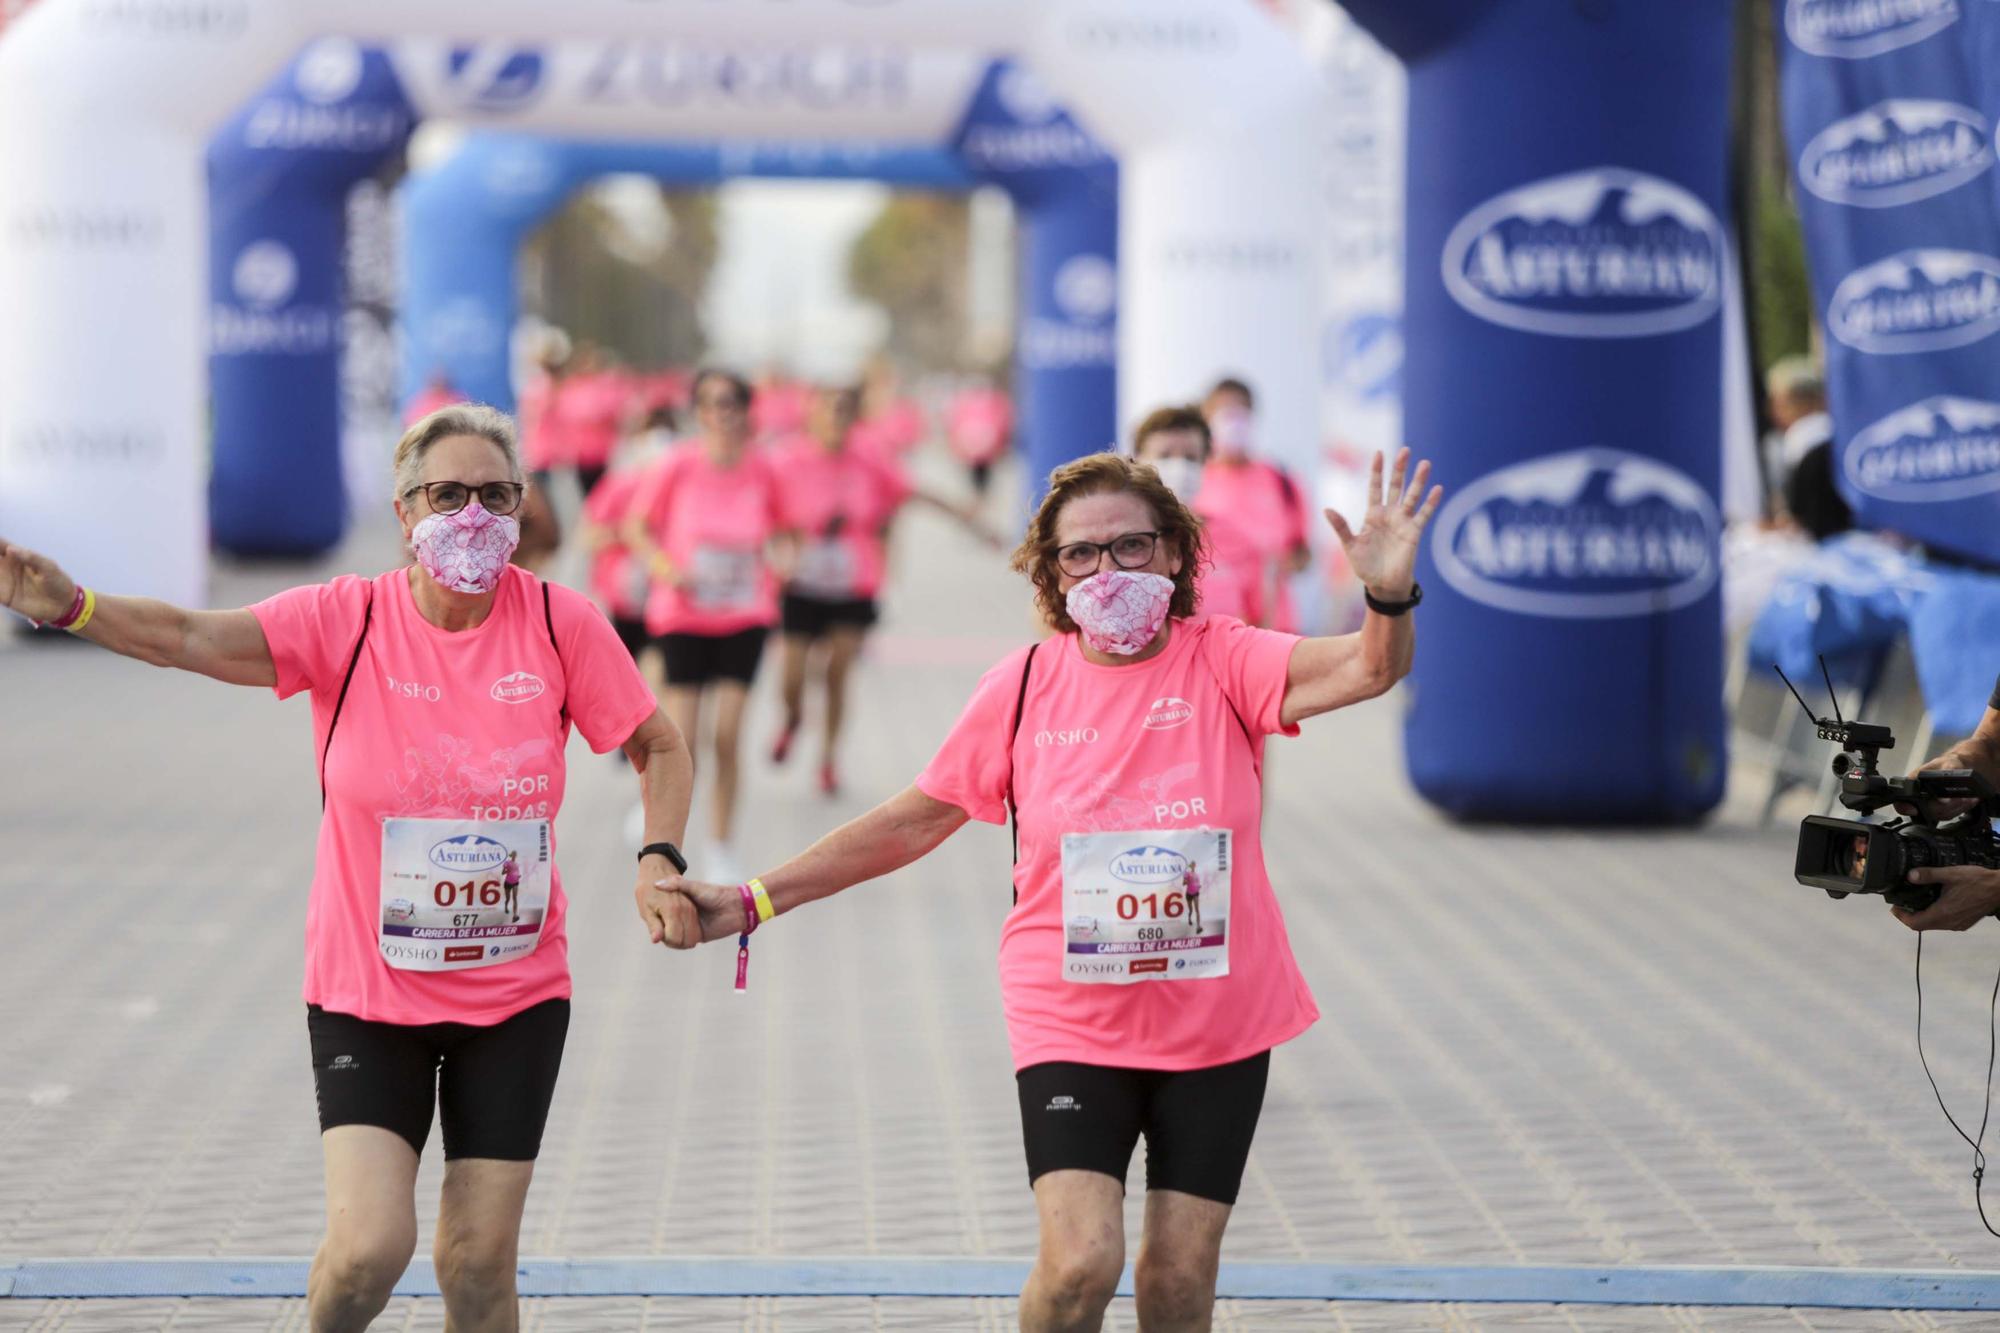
(722, 865)
(635, 826)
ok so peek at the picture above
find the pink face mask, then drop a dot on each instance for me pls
(467, 551)
(1120, 611)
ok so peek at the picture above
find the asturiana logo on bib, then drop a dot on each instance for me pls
(1149, 865)
(1166, 713)
(470, 853)
(1897, 152)
(1918, 301)
(1602, 253)
(1584, 534)
(1857, 29)
(1940, 449)
(518, 688)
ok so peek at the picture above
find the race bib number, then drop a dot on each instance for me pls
(1146, 906)
(637, 583)
(459, 893)
(825, 568)
(724, 578)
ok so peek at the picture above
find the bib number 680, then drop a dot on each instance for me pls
(473, 893)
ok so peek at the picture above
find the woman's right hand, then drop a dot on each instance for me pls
(33, 585)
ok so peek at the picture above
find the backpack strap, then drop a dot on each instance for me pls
(1020, 707)
(549, 620)
(367, 614)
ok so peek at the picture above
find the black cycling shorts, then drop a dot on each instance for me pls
(492, 1085)
(812, 617)
(697, 659)
(1198, 1123)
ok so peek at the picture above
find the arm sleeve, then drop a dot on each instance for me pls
(971, 769)
(606, 696)
(311, 631)
(1254, 666)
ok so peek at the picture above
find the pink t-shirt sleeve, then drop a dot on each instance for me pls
(893, 485)
(606, 696)
(311, 631)
(1253, 665)
(971, 769)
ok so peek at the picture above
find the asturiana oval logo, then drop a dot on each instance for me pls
(1918, 301)
(468, 854)
(518, 688)
(1149, 865)
(1168, 713)
(1857, 29)
(1897, 152)
(1940, 449)
(1589, 533)
(1602, 253)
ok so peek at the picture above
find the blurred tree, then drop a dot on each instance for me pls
(912, 262)
(633, 289)
(1780, 308)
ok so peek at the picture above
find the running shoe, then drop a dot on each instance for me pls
(829, 783)
(781, 749)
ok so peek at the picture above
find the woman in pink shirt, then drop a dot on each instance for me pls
(442, 695)
(1255, 512)
(1128, 749)
(708, 525)
(839, 501)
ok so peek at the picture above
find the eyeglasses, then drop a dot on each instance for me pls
(448, 497)
(1131, 550)
(718, 402)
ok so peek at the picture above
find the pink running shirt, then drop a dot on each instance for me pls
(858, 491)
(613, 580)
(979, 422)
(425, 733)
(1256, 518)
(714, 523)
(545, 424)
(1156, 745)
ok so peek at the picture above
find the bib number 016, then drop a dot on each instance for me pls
(1172, 906)
(477, 893)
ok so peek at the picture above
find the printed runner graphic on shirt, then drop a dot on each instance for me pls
(1147, 905)
(453, 897)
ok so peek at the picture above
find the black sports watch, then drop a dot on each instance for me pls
(1394, 608)
(668, 850)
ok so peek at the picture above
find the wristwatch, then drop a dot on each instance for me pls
(668, 850)
(1381, 608)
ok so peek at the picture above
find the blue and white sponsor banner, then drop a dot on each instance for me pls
(1565, 286)
(278, 176)
(1889, 109)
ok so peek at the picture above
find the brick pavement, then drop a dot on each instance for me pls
(1539, 1046)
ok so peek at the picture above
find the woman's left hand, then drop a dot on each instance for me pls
(670, 917)
(1383, 555)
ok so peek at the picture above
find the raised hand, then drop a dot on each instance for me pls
(1383, 555)
(33, 585)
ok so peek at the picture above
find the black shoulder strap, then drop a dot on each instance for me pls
(549, 619)
(367, 614)
(1020, 707)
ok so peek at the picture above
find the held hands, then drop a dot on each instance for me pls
(1971, 894)
(669, 915)
(1383, 555)
(708, 911)
(33, 585)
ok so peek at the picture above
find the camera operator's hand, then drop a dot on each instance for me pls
(1971, 894)
(1936, 812)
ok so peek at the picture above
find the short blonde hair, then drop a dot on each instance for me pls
(474, 419)
(1109, 474)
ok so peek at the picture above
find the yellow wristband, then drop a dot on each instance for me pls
(89, 609)
(764, 909)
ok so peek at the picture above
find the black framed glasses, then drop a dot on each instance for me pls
(1131, 550)
(448, 497)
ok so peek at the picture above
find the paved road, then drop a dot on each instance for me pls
(1539, 1047)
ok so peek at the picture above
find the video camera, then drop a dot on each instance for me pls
(1846, 856)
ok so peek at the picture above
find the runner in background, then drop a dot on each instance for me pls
(438, 392)
(1176, 442)
(545, 447)
(778, 406)
(599, 397)
(1257, 499)
(979, 427)
(708, 526)
(840, 500)
(890, 423)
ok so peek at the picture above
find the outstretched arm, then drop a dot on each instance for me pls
(902, 829)
(227, 645)
(1329, 673)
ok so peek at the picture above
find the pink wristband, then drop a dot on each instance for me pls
(749, 909)
(68, 618)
